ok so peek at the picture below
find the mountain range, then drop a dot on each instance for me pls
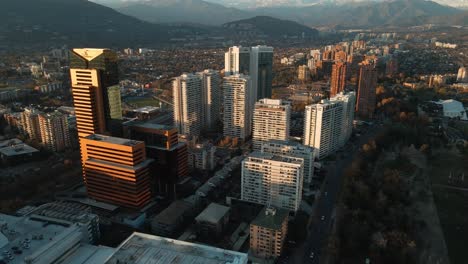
(312, 13)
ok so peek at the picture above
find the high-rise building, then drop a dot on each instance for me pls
(55, 132)
(294, 149)
(202, 156)
(188, 118)
(268, 232)
(391, 67)
(338, 78)
(272, 180)
(366, 97)
(349, 105)
(270, 121)
(341, 55)
(322, 127)
(303, 73)
(211, 97)
(237, 115)
(237, 61)
(170, 156)
(30, 123)
(261, 71)
(115, 102)
(92, 72)
(462, 76)
(257, 62)
(116, 170)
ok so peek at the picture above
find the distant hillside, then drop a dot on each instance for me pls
(190, 11)
(272, 27)
(76, 22)
(365, 14)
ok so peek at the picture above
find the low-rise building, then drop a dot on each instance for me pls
(268, 232)
(212, 220)
(168, 222)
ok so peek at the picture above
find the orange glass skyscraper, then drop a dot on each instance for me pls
(92, 73)
(116, 170)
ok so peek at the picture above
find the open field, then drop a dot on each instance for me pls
(142, 101)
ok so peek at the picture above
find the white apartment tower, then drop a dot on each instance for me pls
(349, 105)
(54, 131)
(211, 97)
(30, 123)
(272, 180)
(271, 120)
(293, 149)
(237, 116)
(187, 104)
(322, 127)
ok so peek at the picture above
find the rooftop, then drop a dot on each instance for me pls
(147, 109)
(114, 140)
(274, 157)
(148, 249)
(10, 142)
(213, 213)
(18, 149)
(271, 218)
(173, 212)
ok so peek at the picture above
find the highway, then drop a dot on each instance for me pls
(323, 219)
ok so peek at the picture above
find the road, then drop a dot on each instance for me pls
(319, 229)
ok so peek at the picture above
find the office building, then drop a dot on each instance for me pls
(210, 98)
(30, 123)
(212, 221)
(92, 72)
(55, 132)
(188, 116)
(294, 149)
(115, 102)
(143, 249)
(162, 143)
(237, 116)
(462, 76)
(116, 170)
(303, 73)
(322, 127)
(268, 233)
(257, 62)
(366, 97)
(348, 101)
(270, 179)
(270, 121)
(338, 78)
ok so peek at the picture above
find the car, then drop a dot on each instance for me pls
(322, 218)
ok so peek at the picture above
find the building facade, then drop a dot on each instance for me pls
(55, 132)
(30, 123)
(116, 170)
(272, 180)
(366, 97)
(268, 233)
(271, 120)
(322, 127)
(303, 72)
(187, 90)
(338, 78)
(348, 101)
(211, 98)
(294, 149)
(92, 71)
(237, 116)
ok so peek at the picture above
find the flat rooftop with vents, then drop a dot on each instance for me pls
(148, 249)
